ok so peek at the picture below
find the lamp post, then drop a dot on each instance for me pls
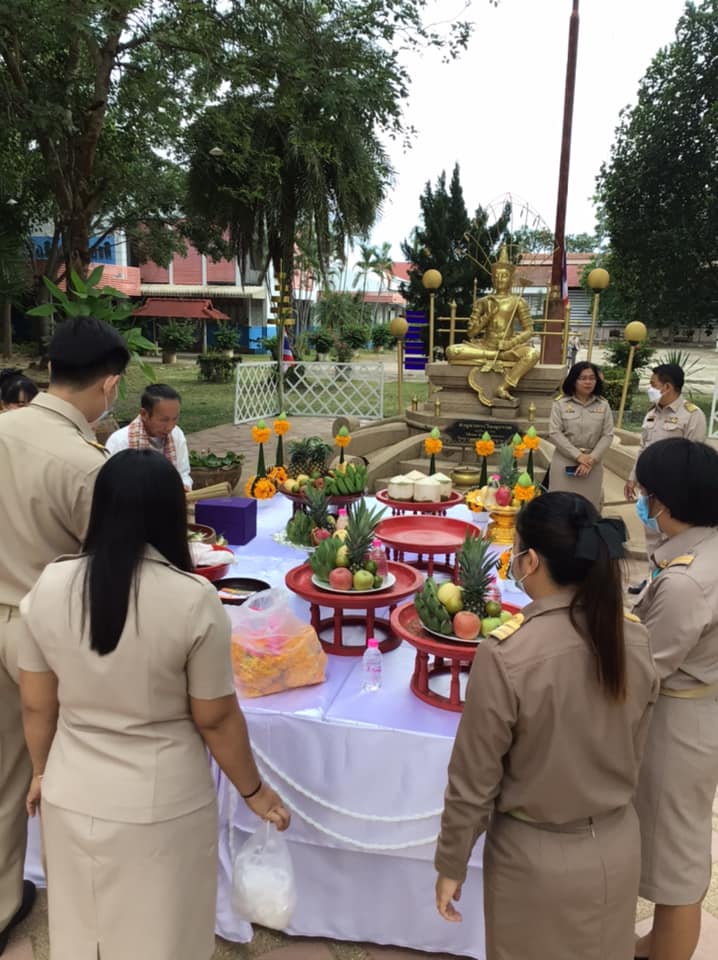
(635, 333)
(431, 280)
(598, 281)
(398, 328)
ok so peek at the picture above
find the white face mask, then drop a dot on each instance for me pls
(654, 394)
(519, 581)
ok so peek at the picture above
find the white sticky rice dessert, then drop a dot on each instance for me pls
(400, 488)
(444, 484)
(427, 490)
(415, 475)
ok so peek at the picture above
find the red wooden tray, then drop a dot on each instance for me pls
(298, 499)
(420, 506)
(424, 535)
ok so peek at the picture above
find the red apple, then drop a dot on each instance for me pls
(341, 578)
(503, 497)
(318, 482)
(318, 534)
(466, 625)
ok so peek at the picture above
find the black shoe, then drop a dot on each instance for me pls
(28, 899)
(639, 587)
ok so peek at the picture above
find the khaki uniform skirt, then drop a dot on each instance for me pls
(590, 487)
(676, 789)
(131, 891)
(564, 893)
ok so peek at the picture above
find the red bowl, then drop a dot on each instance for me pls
(213, 573)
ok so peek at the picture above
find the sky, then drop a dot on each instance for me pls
(498, 109)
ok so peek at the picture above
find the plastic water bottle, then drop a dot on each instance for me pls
(371, 665)
(342, 518)
(378, 555)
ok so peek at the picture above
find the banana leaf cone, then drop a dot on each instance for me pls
(484, 478)
(279, 462)
(341, 454)
(432, 465)
(261, 467)
(529, 464)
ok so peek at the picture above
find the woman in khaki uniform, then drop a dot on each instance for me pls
(125, 680)
(679, 775)
(581, 430)
(548, 748)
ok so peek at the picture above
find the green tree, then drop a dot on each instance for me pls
(460, 247)
(363, 268)
(382, 268)
(97, 91)
(658, 192)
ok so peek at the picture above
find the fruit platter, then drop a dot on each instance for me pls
(307, 468)
(466, 611)
(348, 560)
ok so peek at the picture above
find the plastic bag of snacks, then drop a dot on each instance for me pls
(272, 649)
(263, 886)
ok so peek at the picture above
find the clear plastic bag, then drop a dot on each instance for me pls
(263, 886)
(272, 649)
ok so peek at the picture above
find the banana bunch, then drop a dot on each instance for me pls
(324, 558)
(350, 480)
(432, 613)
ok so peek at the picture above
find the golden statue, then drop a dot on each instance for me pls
(500, 349)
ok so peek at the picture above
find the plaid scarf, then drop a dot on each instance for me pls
(139, 439)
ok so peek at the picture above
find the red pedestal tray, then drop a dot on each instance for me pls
(435, 507)
(299, 500)
(407, 582)
(449, 657)
(428, 537)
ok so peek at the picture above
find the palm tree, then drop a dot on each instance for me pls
(363, 267)
(382, 267)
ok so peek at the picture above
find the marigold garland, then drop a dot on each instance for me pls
(519, 450)
(262, 489)
(484, 448)
(432, 446)
(524, 494)
(261, 434)
(277, 475)
(281, 425)
(531, 443)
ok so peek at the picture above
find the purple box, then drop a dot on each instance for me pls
(233, 517)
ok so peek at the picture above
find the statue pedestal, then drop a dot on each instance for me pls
(540, 385)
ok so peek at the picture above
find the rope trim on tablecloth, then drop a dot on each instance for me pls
(330, 806)
(330, 833)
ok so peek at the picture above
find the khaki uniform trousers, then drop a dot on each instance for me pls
(15, 770)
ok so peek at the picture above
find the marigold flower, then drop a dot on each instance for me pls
(531, 443)
(281, 426)
(473, 501)
(432, 446)
(261, 434)
(484, 448)
(524, 494)
(262, 489)
(342, 441)
(277, 475)
(519, 450)
(504, 563)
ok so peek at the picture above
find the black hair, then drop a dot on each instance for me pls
(568, 387)
(671, 373)
(15, 387)
(155, 392)
(552, 525)
(683, 475)
(138, 501)
(84, 350)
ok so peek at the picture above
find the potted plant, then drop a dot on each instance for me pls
(226, 339)
(175, 335)
(209, 468)
(381, 337)
(322, 341)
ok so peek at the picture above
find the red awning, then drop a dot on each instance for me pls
(186, 309)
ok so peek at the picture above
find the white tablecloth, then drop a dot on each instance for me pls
(380, 754)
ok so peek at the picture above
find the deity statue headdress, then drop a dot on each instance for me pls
(503, 261)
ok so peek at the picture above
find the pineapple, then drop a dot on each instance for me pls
(308, 456)
(317, 504)
(360, 533)
(477, 568)
(508, 471)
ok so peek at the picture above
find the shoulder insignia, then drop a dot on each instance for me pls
(685, 560)
(506, 629)
(96, 444)
(627, 615)
(690, 407)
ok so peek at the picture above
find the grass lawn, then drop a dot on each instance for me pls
(207, 405)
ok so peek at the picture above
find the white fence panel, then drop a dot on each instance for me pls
(255, 391)
(326, 389)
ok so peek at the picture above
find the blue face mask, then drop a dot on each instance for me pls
(644, 516)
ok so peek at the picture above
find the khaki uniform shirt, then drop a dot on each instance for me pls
(678, 419)
(680, 609)
(576, 428)
(49, 460)
(538, 737)
(126, 748)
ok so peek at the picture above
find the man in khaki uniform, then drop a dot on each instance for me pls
(670, 417)
(49, 460)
